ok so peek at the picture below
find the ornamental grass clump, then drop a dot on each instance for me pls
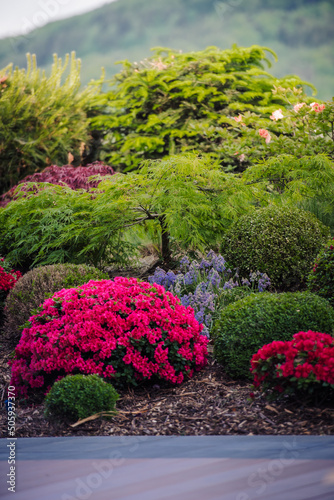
(36, 286)
(303, 366)
(208, 285)
(79, 396)
(123, 330)
(321, 278)
(243, 327)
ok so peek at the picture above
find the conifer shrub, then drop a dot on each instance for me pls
(211, 101)
(43, 118)
(79, 396)
(321, 278)
(246, 325)
(74, 177)
(281, 241)
(37, 285)
(124, 330)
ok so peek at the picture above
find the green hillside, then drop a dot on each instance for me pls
(299, 31)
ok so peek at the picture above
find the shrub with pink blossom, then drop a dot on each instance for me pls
(8, 278)
(301, 366)
(123, 330)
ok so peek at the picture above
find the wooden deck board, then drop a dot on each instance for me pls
(114, 469)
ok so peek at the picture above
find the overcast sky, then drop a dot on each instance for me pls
(18, 17)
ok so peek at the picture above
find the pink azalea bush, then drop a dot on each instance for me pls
(303, 365)
(123, 330)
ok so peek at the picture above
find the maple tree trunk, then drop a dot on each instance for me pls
(165, 242)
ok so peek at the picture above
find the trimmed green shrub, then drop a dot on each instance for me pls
(246, 325)
(321, 278)
(38, 284)
(280, 241)
(79, 396)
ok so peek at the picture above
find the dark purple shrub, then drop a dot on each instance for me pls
(74, 177)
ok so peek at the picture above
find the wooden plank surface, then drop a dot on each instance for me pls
(129, 469)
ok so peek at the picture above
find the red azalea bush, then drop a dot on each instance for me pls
(74, 177)
(123, 330)
(302, 365)
(8, 278)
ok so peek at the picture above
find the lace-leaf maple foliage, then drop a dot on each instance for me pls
(188, 199)
(86, 178)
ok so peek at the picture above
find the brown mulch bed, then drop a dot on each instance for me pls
(208, 404)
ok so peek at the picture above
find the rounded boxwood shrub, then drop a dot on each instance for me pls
(246, 325)
(79, 396)
(38, 284)
(280, 241)
(321, 278)
(124, 330)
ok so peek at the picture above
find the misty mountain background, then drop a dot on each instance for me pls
(300, 32)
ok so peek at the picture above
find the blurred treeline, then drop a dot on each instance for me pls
(299, 31)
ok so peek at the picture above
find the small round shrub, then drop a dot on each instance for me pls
(280, 241)
(123, 330)
(79, 396)
(303, 366)
(246, 325)
(37, 285)
(321, 278)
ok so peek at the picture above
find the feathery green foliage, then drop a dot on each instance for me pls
(188, 198)
(289, 178)
(306, 182)
(56, 226)
(42, 118)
